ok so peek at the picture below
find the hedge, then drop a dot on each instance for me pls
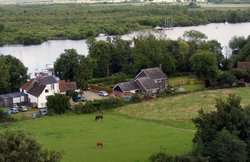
(98, 105)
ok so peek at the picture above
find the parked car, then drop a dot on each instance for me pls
(13, 110)
(14, 105)
(79, 99)
(43, 111)
(103, 93)
(22, 108)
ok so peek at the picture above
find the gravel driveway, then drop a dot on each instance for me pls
(92, 95)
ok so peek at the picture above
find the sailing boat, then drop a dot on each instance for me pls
(168, 26)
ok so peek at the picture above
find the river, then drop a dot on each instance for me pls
(35, 57)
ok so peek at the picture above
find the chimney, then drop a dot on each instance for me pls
(160, 66)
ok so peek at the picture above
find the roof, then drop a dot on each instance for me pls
(63, 86)
(67, 86)
(37, 89)
(72, 86)
(154, 73)
(47, 80)
(147, 83)
(243, 64)
(13, 95)
(27, 85)
(128, 86)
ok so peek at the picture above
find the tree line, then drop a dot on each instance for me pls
(192, 53)
(33, 24)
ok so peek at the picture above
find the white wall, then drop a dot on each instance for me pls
(42, 99)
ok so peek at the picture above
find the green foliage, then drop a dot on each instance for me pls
(228, 127)
(58, 104)
(194, 36)
(72, 94)
(1, 27)
(114, 79)
(226, 78)
(98, 105)
(227, 147)
(13, 74)
(204, 64)
(18, 146)
(79, 21)
(4, 117)
(71, 66)
(136, 98)
(241, 74)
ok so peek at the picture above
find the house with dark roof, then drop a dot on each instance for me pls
(38, 89)
(243, 64)
(148, 81)
(7, 100)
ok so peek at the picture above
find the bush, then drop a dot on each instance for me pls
(98, 105)
(4, 117)
(164, 157)
(58, 104)
(18, 146)
(136, 98)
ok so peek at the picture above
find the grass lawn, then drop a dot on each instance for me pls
(177, 111)
(125, 139)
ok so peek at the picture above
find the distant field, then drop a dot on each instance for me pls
(125, 139)
(177, 111)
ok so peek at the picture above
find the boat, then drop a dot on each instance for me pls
(168, 26)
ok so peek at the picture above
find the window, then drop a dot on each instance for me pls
(46, 91)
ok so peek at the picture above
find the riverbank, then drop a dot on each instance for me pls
(34, 24)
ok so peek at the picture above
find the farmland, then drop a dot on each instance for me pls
(124, 139)
(129, 133)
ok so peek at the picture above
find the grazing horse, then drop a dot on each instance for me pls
(98, 117)
(99, 144)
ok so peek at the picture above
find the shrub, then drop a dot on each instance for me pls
(58, 103)
(98, 105)
(18, 146)
(136, 98)
(4, 117)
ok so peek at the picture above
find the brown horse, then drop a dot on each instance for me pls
(99, 144)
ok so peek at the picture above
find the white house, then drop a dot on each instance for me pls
(38, 89)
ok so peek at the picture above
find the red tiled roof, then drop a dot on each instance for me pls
(27, 85)
(243, 64)
(67, 86)
(72, 86)
(63, 86)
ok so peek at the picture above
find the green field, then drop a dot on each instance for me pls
(130, 133)
(125, 139)
(177, 111)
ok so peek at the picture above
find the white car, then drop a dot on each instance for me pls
(13, 110)
(22, 108)
(103, 93)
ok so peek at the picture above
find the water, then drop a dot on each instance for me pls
(35, 57)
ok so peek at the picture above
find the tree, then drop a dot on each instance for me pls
(5, 77)
(237, 42)
(66, 66)
(1, 27)
(194, 36)
(227, 147)
(204, 64)
(58, 104)
(225, 131)
(13, 74)
(18, 146)
(100, 51)
(17, 72)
